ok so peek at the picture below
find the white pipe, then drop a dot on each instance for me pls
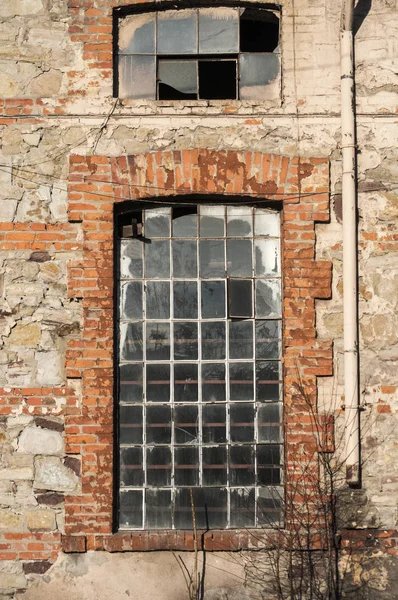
(351, 387)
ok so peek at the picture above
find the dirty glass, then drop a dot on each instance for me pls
(137, 76)
(213, 299)
(130, 382)
(185, 262)
(185, 382)
(218, 30)
(157, 295)
(131, 302)
(158, 509)
(177, 78)
(257, 72)
(185, 299)
(137, 34)
(157, 382)
(177, 32)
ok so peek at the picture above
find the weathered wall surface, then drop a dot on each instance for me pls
(55, 100)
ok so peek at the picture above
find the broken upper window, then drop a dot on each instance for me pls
(200, 54)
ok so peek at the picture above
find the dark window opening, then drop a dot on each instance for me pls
(217, 80)
(259, 31)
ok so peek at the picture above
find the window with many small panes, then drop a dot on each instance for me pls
(199, 372)
(199, 53)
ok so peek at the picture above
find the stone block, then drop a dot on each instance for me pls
(11, 8)
(49, 368)
(7, 210)
(52, 474)
(11, 521)
(47, 84)
(25, 334)
(34, 440)
(40, 519)
(12, 580)
(16, 473)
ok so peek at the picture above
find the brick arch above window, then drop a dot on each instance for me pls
(299, 187)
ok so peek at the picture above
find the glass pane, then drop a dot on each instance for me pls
(130, 382)
(210, 508)
(214, 424)
(157, 299)
(268, 298)
(215, 465)
(157, 223)
(241, 385)
(239, 258)
(131, 472)
(185, 341)
(267, 374)
(213, 382)
(270, 423)
(130, 425)
(131, 300)
(158, 383)
(242, 422)
(158, 424)
(240, 298)
(212, 258)
(131, 259)
(268, 461)
(157, 341)
(185, 299)
(270, 506)
(213, 340)
(178, 80)
(267, 339)
(218, 30)
(185, 220)
(177, 32)
(158, 465)
(137, 77)
(267, 253)
(239, 221)
(186, 466)
(242, 507)
(186, 425)
(131, 341)
(266, 223)
(241, 339)
(157, 260)
(213, 299)
(158, 509)
(131, 508)
(185, 383)
(137, 34)
(257, 72)
(212, 221)
(185, 262)
(241, 465)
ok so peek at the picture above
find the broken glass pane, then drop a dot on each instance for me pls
(270, 423)
(242, 422)
(267, 254)
(241, 339)
(131, 508)
(185, 341)
(178, 80)
(217, 79)
(185, 261)
(266, 223)
(157, 383)
(185, 383)
(213, 340)
(239, 258)
(177, 32)
(257, 72)
(213, 382)
(259, 30)
(131, 341)
(131, 472)
(137, 77)
(218, 30)
(215, 465)
(212, 258)
(130, 425)
(130, 381)
(243, 507)
(137, 34)
(131, 259)
(131, 300)
(241, 383)
(213, 424)
(186, 425)
(157, 341)
(157, 299)
(239, 221)
(268, 461)
(158, 509)
(185, 299)
(185, 221)
(267, 339)
(213, 299)
(240, 298)
(212, 221)
(270, 506)
(241, 465)
(158, 464)
(158, 424)
(157, 260)
(157, 223)
(186, 466)
(267, 374)
(268, 298)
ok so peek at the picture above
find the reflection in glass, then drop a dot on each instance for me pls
(158, 509)
(267, 374)
(241, 385)
(158, 464)
(157, 299)
(210, 508)
(213, 424)
(266, 223)
(212, 258)
(268, 462)
(185, 341)
(257, 71)
(215, 465)
(157, 383)
(240, 298)
(241, 339)
(239, 221)
(137, 34)
(267, 253)
(130, 383)
(213, 382)
(212, 221)
(243, 509)
(157, 223)
(270, 423)
(268, 298)
(177, 32)
(270, 506)
(186, 425)
(158, 424)
(137, 76)
(185, 259)
(131, 300)
(239, 258)
(185, 299)
(267, 339)
(130, 425)
(185, 383)
(131, 341)
(242, 422)
(131, 259)
(186, 466)
(130, 510)
(213, 340)
(241, 465)
(157, 259)
(157, 341)
(185, 221)
(218, 30)
(131, 472)
(213, 299)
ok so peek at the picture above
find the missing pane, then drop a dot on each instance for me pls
(259, 31)
(217, 79)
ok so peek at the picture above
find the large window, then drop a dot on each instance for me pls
(202, 53)
(199, 371)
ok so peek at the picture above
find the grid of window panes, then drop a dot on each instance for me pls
(200, 53)
(199, 371)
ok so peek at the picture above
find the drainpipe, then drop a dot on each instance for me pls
(348, 149)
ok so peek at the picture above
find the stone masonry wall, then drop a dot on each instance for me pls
(58, 116)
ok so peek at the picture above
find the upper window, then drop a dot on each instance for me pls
(203, 53)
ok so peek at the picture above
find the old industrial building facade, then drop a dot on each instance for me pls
(172, 300)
